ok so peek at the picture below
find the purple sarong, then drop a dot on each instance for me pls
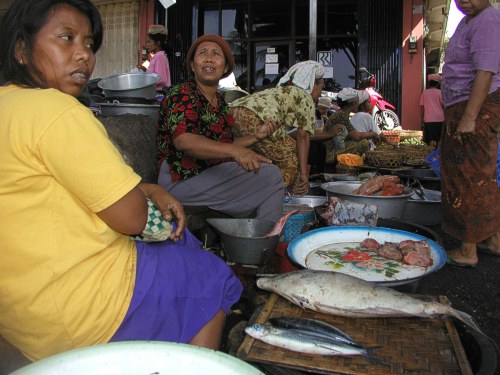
(179, 288)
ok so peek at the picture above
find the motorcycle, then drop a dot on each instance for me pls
(383, 112)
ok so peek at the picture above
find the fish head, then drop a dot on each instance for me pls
(256, 330)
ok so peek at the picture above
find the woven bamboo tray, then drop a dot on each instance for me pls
(409, 345)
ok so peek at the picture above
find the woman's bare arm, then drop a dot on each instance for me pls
(129, 214)
(202, 148)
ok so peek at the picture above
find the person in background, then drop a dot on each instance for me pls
(156, 45)
(432, 111)
(292, 104)
(317, 150)
(201, 163)
(363, 121)
(70, 273)
(339, 135)
(469, 142)
(324, 108)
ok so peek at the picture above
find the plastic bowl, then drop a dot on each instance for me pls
(139, 357)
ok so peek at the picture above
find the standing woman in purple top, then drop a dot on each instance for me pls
(469, 142)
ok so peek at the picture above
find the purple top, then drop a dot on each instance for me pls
(473, 46)
(159, 65)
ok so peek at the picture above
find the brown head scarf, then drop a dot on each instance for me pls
(214, 39)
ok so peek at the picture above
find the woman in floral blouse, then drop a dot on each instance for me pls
(200, 161)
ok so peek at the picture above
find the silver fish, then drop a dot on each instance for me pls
(314, 327)
(299, 341)
(340, 294)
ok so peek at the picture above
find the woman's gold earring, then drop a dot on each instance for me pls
(21, 61)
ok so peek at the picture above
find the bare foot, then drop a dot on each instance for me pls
(492, 244)
(465, 255)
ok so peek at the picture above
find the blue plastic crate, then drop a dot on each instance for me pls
(295, 223)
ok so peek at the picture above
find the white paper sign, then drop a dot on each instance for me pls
(328, 72)
(272, 69)
(272, 58)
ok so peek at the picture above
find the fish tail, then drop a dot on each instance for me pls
(466, 319)
(470, 322)
(368, 355)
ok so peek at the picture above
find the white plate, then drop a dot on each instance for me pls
(140, 358)
(360, 263)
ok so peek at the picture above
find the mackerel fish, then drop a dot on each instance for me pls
(303, 342)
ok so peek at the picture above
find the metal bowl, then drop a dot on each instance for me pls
(426, 177)
(424, 211)
(308, 200)
(135, 85)
(243, 239)
(388, 207)
(118, 109)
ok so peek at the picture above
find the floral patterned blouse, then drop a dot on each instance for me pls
(186, 110)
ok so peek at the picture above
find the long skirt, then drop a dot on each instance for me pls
(282, 151)
(179, 288)
(469, 192)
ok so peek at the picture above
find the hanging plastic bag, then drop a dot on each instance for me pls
(434, 161)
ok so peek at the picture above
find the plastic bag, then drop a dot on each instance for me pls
(434, 161)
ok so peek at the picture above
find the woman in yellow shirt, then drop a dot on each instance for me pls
(70, 274)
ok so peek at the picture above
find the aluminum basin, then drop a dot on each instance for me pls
(308, 200)
(424, 211)
(388, 207)
(130, 85)
(243, 239)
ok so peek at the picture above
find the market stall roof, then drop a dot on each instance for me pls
(435, 21)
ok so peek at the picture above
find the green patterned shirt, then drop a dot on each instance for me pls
(290, 106)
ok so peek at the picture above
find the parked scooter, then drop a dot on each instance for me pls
(382, 111)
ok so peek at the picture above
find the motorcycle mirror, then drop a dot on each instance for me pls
(363, 70)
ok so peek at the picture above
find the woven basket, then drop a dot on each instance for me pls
(384, 158)
(407, 134)
(392, 135)
(346, 169)
(414, 155)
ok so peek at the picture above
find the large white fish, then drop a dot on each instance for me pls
(340, 294)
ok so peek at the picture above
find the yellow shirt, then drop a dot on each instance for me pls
(66, 278)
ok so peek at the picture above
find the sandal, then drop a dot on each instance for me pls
(452, 262)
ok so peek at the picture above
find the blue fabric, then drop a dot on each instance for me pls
(179, 288)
